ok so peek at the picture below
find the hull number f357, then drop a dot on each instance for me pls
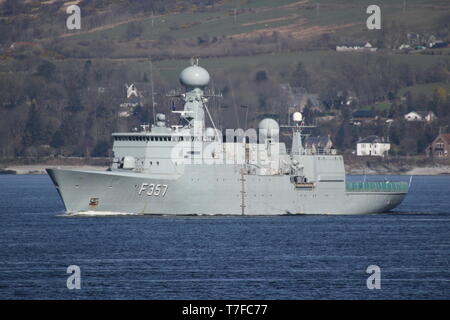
(153, 189)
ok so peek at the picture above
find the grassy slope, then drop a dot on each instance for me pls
(426, 89)
(419, 14)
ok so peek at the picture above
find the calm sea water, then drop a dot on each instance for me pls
(288, 257)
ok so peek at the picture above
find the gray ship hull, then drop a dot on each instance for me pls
(210, 190)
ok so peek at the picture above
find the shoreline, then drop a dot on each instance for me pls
(349, 170)
(414, 171)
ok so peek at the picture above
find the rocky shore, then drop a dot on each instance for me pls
(393, 170)
(417, 165)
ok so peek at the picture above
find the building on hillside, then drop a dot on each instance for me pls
(361, 116)
(319, 145)
(439, 44)
(440, 147)
(325, 118)
(310, 99)
(293, 94)
(356, 47)
(427, 116)
(372, 146)
(404, 46)
(134, 98)
(299, 98)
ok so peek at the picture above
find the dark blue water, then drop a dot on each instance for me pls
(288, 257)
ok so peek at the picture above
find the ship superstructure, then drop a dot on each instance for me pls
(189, 169)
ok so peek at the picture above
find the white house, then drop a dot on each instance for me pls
(413, 116)
(420, 116)
(367, 47)
(372, 146)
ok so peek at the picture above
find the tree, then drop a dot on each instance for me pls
(12, 7)
(134, 30)
(74, 103)
(11, 90)
(300, 76)
(34, 128)
(47, 70)
(343, 137)
(101, 149)
(261, 76)
(439, 102)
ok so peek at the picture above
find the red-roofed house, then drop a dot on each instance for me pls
(440, 147)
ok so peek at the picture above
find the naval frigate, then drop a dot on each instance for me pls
(191, 169)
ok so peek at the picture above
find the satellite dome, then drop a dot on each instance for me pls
(297, 116)
(269, 128)
(194, 77)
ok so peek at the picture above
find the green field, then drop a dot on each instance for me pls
(419, 15)
(426, 89)
(384, 105)
(169, 69)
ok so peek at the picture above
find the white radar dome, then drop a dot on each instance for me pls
(269, 127)
(194, 77)
(297, 116)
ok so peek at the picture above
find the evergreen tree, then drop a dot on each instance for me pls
(34, 128)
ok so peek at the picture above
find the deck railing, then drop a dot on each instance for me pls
(382, 186)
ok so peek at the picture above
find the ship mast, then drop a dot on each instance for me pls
(195, 79)
(297, 146)
(152, 91)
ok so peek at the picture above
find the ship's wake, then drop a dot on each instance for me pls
(98, 213)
